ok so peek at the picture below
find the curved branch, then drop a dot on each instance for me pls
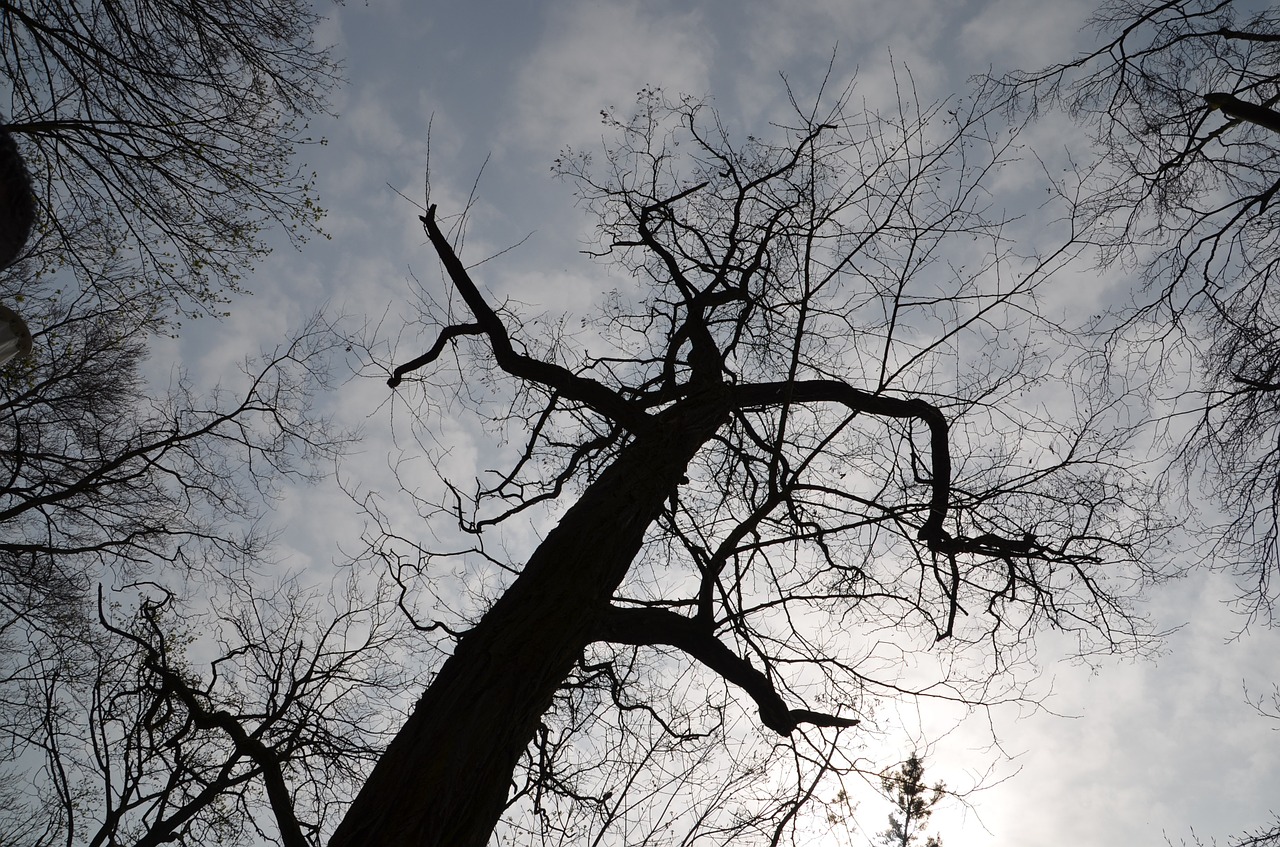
(932, 531)
(834, 391)
(661, 627)
(600, 398)
(446, 335)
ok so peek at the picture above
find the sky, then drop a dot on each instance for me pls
(1123, 752)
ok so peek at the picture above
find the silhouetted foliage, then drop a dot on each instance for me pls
(158, 499)
(159, 141)
(1180, 98)
(253, 709)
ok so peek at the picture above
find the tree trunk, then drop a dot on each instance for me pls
(445, 777)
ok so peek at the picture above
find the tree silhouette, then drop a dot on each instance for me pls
(160, 139)
(1180, 99)
(794, 432)
(157, 500)
(914, 801)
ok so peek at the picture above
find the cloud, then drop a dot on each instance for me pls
(599, 55)
(1004, 36)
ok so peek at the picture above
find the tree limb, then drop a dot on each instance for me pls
(602, 399)
(661, 627)
(204, 718)
(834, 391)
(1244, 110)
(446, 335)
(266, 759)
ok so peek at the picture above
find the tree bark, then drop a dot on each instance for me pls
(1244, 110)
(445, 777)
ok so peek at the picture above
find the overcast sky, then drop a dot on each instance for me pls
(1136, 751)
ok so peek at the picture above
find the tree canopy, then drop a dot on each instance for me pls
(159, 141)
(161, 138)
(806, 432)
(819, 447)
(1180, 98)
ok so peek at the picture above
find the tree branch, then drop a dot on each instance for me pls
(603, 400)
(834, 391)
(1237, 108)
(266, 759)
(446, 335)
(1242, 35)
(661, 627)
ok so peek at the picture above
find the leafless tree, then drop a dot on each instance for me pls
(1181, 99)
(812, 432)
(137, 745)
(100, 477)
(108, 482)
(160, 138)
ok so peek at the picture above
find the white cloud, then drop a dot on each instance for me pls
(599, 55)
(1004, 35)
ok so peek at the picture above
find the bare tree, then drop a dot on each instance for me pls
(108, 483)
(160, 138)
(140, 746)
(808, 432)
(1181, 101)
(101, 478)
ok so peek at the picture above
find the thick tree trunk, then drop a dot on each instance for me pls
(445, 777)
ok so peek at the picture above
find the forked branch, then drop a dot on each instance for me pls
(654, 627)
(932, 531)
(204, 717)
(569, 385)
